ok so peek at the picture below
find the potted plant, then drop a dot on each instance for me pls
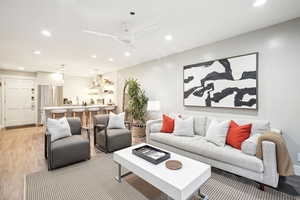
(137, 107)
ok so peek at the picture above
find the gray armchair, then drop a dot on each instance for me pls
(68, 150)
(109, 140)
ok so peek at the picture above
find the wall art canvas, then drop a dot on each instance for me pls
(225, 83)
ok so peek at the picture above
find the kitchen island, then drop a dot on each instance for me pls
(46, 112)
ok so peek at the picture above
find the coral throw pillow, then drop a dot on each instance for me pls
(237, 134)
(167, 125)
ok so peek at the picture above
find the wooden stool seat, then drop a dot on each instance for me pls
(93, 109)
(78, 110)
(59, 113)
(109, 109)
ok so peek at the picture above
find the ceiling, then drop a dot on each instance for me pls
(192, 23)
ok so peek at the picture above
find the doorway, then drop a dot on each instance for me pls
(19, 101)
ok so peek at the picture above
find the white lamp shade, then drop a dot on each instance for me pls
(153, 106)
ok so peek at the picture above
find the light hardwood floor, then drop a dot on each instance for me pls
(22, 152)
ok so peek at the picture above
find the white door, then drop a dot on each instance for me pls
(19, 101)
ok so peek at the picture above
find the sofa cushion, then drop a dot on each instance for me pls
(249, 145)
(118, 139)
(70, 143)
(198, 145)
(115, 133)
(69, 150)
(258, 126)
(200, 125)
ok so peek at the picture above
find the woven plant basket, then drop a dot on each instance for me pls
(138, 129)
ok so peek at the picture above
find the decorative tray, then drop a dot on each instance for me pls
(151, 154)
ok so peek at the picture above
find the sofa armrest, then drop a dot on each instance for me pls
(149, 123)
(270, 163)
(275, 130)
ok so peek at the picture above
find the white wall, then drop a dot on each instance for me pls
(47, 78)
(278, 84)
(1, 108)
(73, 85)
(76, 86)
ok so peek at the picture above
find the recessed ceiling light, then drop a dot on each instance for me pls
(93, 56)
(37, 52)
(258, 3)
(169, 37)
(111, 60)
(127, 53)
(46, 33)
(21, 68)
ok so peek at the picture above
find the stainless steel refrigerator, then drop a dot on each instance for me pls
(48, 96)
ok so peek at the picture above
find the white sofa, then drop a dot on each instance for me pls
(226, 158)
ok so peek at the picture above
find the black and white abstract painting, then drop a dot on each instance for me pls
(226, 83)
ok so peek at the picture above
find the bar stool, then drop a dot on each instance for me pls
(109, 109)
(90, 114)
(81, 113)
(58, 113)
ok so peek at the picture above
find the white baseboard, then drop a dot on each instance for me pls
(297, 170)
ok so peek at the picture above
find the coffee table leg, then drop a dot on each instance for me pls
(202, 196)
(120, 175)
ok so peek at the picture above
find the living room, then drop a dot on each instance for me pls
(89, 88)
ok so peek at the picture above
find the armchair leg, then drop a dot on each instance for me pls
(101, 148)
(49, 166)
(95, 129)
(262, 187)
(46, 155)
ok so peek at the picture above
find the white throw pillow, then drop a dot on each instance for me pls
(116, 121)
(249, 145)
(184, 127)
(217, 132)
(58, 128)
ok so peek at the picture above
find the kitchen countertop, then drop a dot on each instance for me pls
(77, 106)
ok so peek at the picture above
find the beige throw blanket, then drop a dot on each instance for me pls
(284, 161)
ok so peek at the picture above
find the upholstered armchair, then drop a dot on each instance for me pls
(70, 149)
(109, 140)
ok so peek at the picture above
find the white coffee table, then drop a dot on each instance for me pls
(178, 184)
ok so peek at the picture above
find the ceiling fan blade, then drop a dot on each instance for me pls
(100, 34)
(114, 37)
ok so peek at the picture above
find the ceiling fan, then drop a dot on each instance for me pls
(128, 36)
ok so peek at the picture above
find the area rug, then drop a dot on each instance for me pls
(93, 180)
